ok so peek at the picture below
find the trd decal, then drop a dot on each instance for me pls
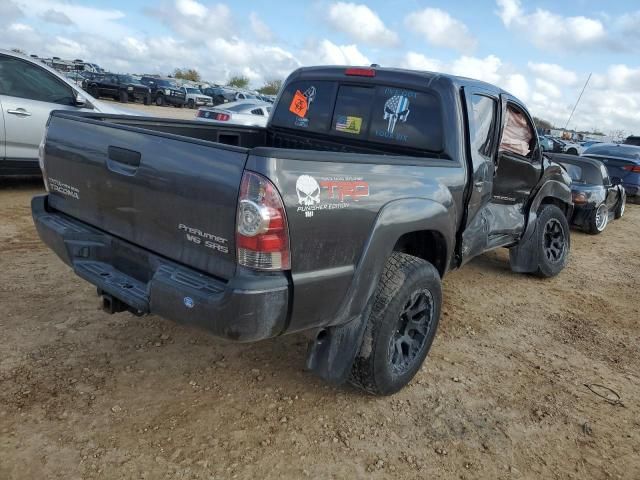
(328, 193)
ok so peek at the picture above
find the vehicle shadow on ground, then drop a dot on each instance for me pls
(21, 183)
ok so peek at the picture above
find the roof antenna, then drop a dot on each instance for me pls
(574, 107)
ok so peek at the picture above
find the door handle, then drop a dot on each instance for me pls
(19, 111)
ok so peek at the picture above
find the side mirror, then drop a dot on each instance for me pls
(616, 181)
(81, 102)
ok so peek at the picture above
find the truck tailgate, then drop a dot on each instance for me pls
(175, 196)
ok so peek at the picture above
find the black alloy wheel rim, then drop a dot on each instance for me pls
(414, 323)
(554, 241)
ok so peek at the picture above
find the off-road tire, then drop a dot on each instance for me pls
(404, 277)
(93, 91)
(621, 207)
(572, 151)
(147, 99)
(191, 104)
(124, 96)
(550, 219)
(160, 102)
(592, 227)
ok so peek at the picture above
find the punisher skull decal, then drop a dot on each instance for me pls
(308, 190)
(396, 109)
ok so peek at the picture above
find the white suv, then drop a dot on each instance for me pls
(29, 91)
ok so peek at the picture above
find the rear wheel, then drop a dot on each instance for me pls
(191, 104)
(93, 91)
(160, 100)
(572, 151)
(621, 206)
(124, 96)
(599, 220)
(147, 99)
(401, 326)
(553, 239)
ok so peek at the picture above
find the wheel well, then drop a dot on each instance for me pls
(565, 207)
(426, 244)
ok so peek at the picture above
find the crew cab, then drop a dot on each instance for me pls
(165, 91)
(338, 219)
(119, 87)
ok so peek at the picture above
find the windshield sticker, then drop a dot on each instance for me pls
(396, 109)
(301, 102)
(329, 193)
(347, 124)
(299, 105)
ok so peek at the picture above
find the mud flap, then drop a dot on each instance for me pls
(332, 353)
(523, 258)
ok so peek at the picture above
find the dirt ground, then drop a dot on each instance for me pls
(502, 394)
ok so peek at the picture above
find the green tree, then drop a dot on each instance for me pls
(190, 74)
(238, 81)
(541, 123)
(271, 87)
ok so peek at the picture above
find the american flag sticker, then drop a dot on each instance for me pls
(347, 124)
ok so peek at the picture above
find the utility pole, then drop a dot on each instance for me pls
(578, 101)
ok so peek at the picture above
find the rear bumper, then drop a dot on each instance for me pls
(248, 307)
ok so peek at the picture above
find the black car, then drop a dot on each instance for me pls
(597, 197)
(165, 91)
(220, 94)
(120, 87)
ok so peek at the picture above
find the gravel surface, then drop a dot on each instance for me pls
(502, 395)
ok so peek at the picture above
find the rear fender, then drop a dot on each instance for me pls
(332, 353)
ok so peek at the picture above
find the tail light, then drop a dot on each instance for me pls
(223, 117)
(360, 72)
(262, 233)
(632, 168)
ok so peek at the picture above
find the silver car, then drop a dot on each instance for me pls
(29, 91)
(247, 112)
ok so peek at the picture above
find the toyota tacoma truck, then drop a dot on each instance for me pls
(338, 219)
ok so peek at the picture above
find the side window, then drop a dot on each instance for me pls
(518, 134)
(21, 79)
(483, 124)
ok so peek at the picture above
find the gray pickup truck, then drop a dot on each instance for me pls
(339, 219)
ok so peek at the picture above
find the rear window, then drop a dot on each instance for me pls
(574, 171)
(385, 115)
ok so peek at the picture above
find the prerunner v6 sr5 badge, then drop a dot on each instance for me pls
(328, 193)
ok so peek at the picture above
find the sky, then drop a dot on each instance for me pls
(541, 51)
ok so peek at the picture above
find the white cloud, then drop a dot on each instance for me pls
(328, 53)
(361, 24)
(554, 73)
(54, 16)
(191, 8)
(441, 29)
(417, 61)
(195, 21)
(485, 69)
(20, 28)
(550, 31)
(91, 20)
(548, 89)
(260, 29)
